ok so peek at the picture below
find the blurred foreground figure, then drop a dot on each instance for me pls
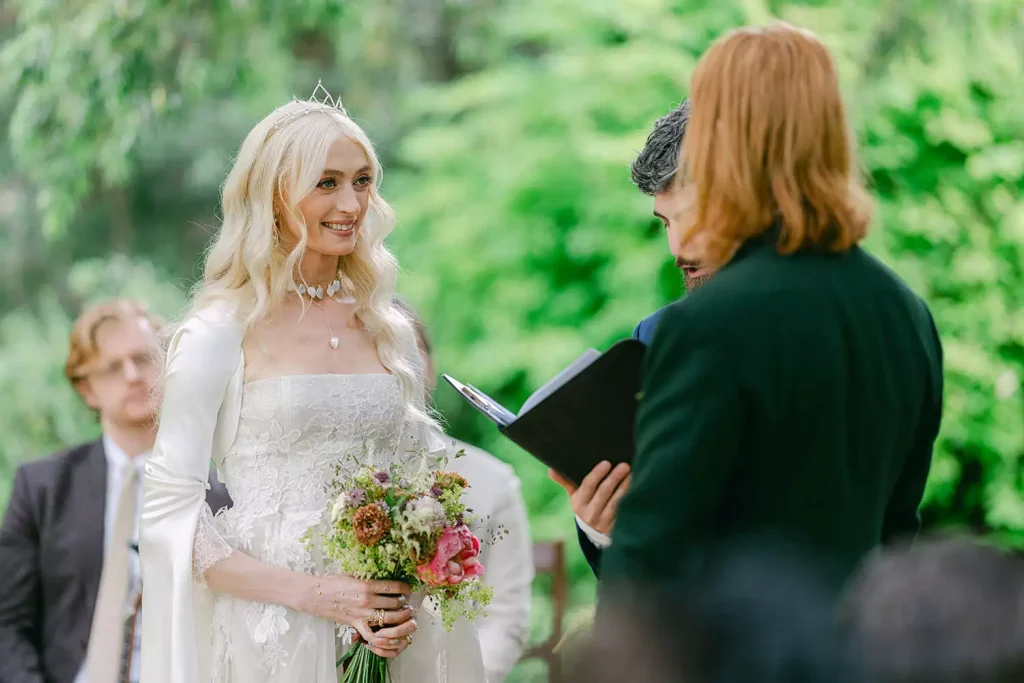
(946, 611)
(756, 616)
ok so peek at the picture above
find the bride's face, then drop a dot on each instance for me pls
(334, 211)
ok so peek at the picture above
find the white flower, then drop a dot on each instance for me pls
(423, 515)
(339, 508)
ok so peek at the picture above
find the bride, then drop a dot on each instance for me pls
(291, 358)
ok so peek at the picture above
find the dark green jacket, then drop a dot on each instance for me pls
(793, 398)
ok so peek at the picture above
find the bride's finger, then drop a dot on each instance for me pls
(381, 652)
(388, 587)
(367, 615)
(365, 632)
(392, 637)
(375, 601)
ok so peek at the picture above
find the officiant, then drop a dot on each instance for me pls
(595, 500)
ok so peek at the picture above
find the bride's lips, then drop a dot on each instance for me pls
(340, 228)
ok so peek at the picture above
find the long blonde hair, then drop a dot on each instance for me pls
(768, 143)
(250, 268)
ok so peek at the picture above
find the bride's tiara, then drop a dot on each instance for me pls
(319, 101)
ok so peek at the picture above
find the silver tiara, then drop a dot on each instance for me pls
(319, 101)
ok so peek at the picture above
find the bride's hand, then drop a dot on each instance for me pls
(363, 605)
(392, 641)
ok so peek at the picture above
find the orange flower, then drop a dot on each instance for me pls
(370, 524)
(450, 480)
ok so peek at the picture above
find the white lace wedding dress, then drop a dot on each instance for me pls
(292, 434)
(289, 435)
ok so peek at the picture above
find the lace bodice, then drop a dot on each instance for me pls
(294, 432)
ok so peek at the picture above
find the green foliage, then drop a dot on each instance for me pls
(942, 138)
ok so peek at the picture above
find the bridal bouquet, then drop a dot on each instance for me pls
(397, 525)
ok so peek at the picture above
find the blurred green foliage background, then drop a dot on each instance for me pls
(506, 129)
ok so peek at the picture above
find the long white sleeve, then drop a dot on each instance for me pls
(202, 375)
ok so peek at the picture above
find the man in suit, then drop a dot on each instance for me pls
(796, 396)
(496, 499)
(595, 500)
(68, 556)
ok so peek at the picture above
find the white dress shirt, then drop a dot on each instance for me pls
(600, 540)
(117, 461)
(495, 498)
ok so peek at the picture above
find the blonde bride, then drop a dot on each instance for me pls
(291, 357)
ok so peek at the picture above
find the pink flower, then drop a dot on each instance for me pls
(456, 559)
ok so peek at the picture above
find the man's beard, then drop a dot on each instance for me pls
(691, 282)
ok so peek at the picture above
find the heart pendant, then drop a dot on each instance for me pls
(334, 343)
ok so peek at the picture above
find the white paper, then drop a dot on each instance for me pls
(561, 379)
(484, 403)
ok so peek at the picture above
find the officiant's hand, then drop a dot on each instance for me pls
(596, 499)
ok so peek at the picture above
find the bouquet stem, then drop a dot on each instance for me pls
(362, 666)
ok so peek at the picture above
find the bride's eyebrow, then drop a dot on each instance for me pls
(334, 172)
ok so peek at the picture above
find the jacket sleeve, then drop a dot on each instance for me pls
(689, 423)
(19, 587)
(902, 518)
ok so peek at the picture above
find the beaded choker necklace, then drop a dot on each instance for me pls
(318, 292)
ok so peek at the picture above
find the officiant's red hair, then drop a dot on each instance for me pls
(768, 144)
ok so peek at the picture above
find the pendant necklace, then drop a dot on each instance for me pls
(317, 294)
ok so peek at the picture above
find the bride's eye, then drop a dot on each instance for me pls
(364, 181)
(327, 184)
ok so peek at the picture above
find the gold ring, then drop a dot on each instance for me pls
(378, 617)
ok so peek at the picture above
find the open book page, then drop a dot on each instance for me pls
(484, 403)
(562, 378)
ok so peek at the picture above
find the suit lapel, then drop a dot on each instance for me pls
(90, 490)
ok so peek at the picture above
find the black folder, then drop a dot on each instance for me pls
(583, 416)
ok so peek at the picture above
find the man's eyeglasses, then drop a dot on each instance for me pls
(142, 363)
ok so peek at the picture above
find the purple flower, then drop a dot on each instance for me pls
(436, 491)
(356, 497)
(383, 506)
(382, 477)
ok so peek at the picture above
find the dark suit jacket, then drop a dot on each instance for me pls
(51, 556)
(791, 398)
(644, 332)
